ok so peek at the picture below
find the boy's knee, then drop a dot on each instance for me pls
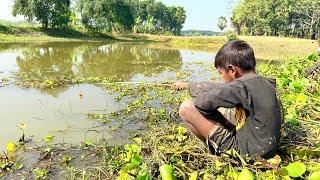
(185, 108)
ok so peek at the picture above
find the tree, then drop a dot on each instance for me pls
(147, 16)
(54, 13)
(297, 18)
(222, 23)
(110, 15)
(309, 17)
(176, 19)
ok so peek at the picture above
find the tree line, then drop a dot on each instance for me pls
(138, 16)
(295, 18)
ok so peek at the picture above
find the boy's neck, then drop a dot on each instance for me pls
(244, 73)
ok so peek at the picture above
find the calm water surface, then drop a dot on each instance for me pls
(60, 111)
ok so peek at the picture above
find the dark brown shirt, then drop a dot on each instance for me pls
(260, 134)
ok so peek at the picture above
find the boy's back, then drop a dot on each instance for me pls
(260, 133)
(243, 90)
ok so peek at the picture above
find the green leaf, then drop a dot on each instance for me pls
(129, 167)
(167, 172)
(49, 138)
(136, 159)
(143, 176)
(135, 148)
(312, 57)
(296, 169)
(194, 176)
(233, 174)
(40, 173)
(123, 175)
(18, 166)
(286, 178)
(88, 142)
(283, 172)
(245, 175)
(314, 176)
(235, 154)
(137, 140)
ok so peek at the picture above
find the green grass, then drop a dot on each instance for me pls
(27, 32)
(267, 48)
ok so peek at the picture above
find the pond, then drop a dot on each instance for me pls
(62, 111)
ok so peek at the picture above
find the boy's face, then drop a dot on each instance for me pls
(227, 76)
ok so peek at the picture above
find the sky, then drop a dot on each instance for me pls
(201, 14)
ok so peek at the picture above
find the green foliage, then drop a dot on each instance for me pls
(66, 159)
(40, 173)
(146, 16)
(296, 169)
(231, 35)
(314, 176)
(167, 172)
(53, 13)
(222, 23)
(296, 88)
(245, 175)
(133, 165)
(297, 18)
(106, 15)
(48, 138)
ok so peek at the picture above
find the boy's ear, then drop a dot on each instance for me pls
(234, 70)
(231, 67)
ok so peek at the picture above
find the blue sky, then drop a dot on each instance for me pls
(201, 14)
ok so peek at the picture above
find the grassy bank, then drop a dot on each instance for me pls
(268, 48)
(271, 48)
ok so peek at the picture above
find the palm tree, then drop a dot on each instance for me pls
(222, 23)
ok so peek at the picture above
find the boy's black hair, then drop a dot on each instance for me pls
(237, 53)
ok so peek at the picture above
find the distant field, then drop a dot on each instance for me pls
(270, 48)
(273, 48)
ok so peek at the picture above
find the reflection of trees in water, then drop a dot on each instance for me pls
(125, 60)
(96, 60)
(118, 61)
(47, 60)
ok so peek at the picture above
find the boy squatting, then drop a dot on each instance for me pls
(214, 114)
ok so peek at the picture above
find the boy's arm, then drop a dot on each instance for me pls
(195, 89)
(227, 95)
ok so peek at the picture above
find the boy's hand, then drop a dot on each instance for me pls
(180, 85)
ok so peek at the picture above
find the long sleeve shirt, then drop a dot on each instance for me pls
(260, 133)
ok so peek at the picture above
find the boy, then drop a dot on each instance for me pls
(212, 118)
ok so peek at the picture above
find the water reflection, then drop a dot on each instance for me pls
(119, 60)
(47, 59)
(60, 111)
(124, 61)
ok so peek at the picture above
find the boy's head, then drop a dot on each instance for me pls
(235, 59)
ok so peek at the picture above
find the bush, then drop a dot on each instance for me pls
(231, 35)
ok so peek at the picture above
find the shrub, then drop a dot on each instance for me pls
(231, 35)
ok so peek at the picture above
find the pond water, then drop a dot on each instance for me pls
(61, 111)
